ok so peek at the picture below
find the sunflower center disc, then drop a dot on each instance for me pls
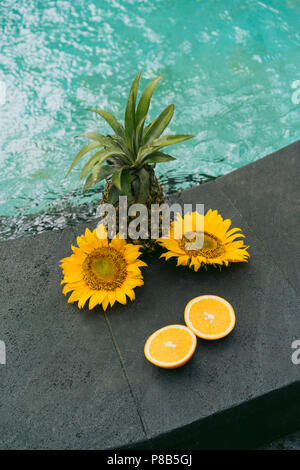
(104, 268)
(212, 247)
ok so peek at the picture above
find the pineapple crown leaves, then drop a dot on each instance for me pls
(128, 156)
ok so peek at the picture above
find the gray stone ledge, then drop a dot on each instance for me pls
(79, 379)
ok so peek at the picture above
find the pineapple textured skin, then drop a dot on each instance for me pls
(156, 196)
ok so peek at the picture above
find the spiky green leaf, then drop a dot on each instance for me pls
(105, 141)
(112, 154)
(158, 125)
(116, 178)
(143, 107)
(99, 173)
(139, 133)
(122, 180)
(111, 120)
(145, 99)
(166, 140)
(121, 144)
(84, 150)
(135, 87)
(130, 123)
(130, 113)
(113, 196)
(161, 142)
(91, 163)
(98, 158)
(158, 157)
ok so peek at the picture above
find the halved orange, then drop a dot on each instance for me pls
(209, 316)
(171, 346)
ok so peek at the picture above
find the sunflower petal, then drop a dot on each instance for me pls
(120, 296)
(112, 297)
(183, 260)
(105, 303)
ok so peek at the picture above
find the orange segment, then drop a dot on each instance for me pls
(209, 316)
(171, 346)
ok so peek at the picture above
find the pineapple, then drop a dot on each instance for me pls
(127, 158)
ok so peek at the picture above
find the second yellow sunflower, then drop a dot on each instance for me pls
(220, 245)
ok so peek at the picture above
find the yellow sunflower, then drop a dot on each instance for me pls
(103, 272)
(220, 245)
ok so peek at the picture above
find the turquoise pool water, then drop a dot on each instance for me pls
(232, 70)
